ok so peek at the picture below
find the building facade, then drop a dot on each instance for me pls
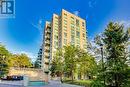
(64, 29)
(38, 62)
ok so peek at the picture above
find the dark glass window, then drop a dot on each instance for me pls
(78, 34)
(77, 22)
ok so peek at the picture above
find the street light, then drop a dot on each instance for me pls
(102, 55)
(102, 61)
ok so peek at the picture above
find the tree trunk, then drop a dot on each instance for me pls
(72, 76)
(61, 78)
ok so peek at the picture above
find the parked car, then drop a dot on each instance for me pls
(14, 77)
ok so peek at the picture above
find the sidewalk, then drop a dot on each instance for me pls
(59, 84)
(52, 83)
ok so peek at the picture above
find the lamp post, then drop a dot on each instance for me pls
(102, 61)
(102, 55)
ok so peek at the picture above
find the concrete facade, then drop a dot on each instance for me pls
(62, 30)
(33, 74)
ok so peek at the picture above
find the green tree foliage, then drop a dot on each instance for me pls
(57, 66)
(115, 72)
(70, 59)
(37, 63)
(20, 61)
(87, 64)
(116, 68)
(53, 68)
(4, 54)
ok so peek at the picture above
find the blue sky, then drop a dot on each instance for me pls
(22, 33)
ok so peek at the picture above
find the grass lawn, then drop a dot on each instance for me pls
(85, 83)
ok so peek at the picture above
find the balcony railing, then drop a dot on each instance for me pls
(48, 31)
(46, 70)
(47, 61)
(47, 37)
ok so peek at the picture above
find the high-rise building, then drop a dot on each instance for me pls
(64, 29)
(38, 61)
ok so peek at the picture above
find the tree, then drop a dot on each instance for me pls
(87, 64)
(53, 68)
(37, 63)
(116, 68)
(70, 57)
(4, 55)
(20, 61)
(57, 65)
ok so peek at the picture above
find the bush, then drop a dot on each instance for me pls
(85, 83)
(96, 83)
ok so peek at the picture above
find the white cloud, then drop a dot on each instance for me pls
(29, 54)
(92, 3)
(38, 26)
(125, 23)
(76, 13)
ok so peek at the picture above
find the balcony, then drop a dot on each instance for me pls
(46, 61)
(47, 42)
(46, 70)
(48, 27)
(47, 50)
(47, 56)
(47, 37)
(48, 31)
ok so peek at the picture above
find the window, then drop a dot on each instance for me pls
(65, 28)
(83, 35)
(65, 22)
(77, 22)
(56, 27)
(72, 18)
(65, 35)
(65, 41)
(72, 26)
(56, 17)
(78, 42)
(72, 39)
(77, 28)
(72, 22)
(56, 44)
(72, 32)
(65, 17)
(56, 32)
(78, 34)
(65, 14)
(83, 24)
(56, 37)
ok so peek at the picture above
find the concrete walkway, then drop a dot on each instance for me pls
(11, 84)
(51, 84)
(59, 84)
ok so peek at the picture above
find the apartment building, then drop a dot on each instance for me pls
(46, 47)
(38, 62)
(64, 29)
